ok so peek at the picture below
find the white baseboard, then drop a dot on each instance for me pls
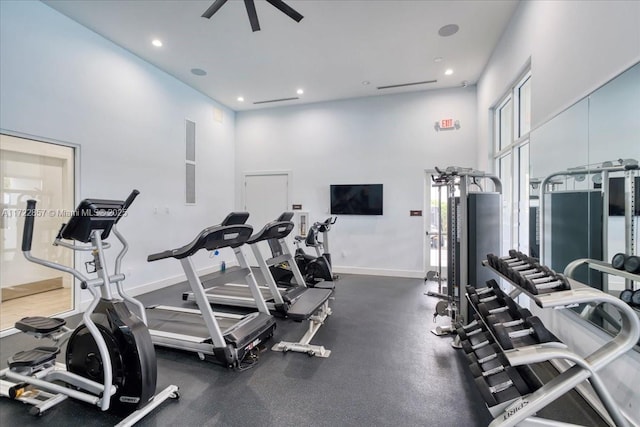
(411, 274)
(159, 284)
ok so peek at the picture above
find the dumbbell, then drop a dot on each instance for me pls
(474, 324)
(556, 282)
(631, 297)
(538, 272)
(496, 364)
(484, 354)
(618, 260)
(635, 299)
(466, 334)
(487, 308)
(630, 263)
(502, 263)
(476, 342)
(517, 261)
(496, 298)
(491, 287)
(508, 319)
(494, 259)
(471, 325)
(502, 387)
(532, 327)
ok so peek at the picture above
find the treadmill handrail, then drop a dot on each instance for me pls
(272, 230)
(211, 238)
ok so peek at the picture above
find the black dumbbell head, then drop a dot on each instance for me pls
(517, 380)
(618, 260)
(513, 306)
(635, 298)
(626, 295)
(540, 332)
(502, 336)
(485, 391)
(632, 264)
(524, 313)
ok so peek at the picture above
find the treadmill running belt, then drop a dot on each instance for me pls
(184, 323)
(238, 291)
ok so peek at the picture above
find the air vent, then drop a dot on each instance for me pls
(190, 162)
(276, 100)
(407, 84)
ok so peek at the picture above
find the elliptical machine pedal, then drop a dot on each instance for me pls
(34, 360)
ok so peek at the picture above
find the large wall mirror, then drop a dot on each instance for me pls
(585, 188)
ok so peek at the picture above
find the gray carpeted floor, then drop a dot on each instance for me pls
(386, 369)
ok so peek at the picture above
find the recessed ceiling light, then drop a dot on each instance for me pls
(300, 91)
(438, 59)
(448, 72)
(198, 72)
(366, 82)
(156, 43)
(240, 99)
(448, 30)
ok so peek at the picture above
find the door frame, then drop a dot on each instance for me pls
(77, 297)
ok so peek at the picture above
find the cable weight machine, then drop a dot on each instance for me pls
(473, 230)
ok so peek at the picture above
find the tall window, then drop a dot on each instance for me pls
(512, 123)
(44, 172)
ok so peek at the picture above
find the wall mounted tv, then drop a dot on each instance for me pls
(616, 196)
(359, 199)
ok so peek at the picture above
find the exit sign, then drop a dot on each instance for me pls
(446, 124)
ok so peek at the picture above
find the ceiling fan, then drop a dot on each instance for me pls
(251, 11)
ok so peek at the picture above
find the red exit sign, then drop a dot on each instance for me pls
(446, 123)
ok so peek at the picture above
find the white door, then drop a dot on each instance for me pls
(266, 196)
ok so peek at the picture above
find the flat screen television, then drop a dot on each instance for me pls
(359, 199)
(616, 196)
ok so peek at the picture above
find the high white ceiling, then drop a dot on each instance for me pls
(338, 45)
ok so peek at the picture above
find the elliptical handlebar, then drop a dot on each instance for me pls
(326, 224)
(128, 203)
(30, 215)
(89, 223)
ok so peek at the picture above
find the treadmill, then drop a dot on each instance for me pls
(229, 338)
(222, 287)
(298, 303)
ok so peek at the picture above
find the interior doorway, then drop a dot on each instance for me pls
(45, 172)
(265, 196)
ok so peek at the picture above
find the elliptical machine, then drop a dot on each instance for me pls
(316, 269)
(110, 359)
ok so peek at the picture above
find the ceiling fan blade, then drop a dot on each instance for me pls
(253, 16)
(213, 8)
(287, 10)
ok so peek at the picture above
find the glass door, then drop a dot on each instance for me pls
(45, 172)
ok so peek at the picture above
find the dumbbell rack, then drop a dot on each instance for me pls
(521, 411)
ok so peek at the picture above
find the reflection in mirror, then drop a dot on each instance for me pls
(585, 188)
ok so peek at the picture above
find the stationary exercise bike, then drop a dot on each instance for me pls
(315, 269)
(110, 359)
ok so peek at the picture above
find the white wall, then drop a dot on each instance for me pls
(62, 81)
(574, 48)
(386, 139)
